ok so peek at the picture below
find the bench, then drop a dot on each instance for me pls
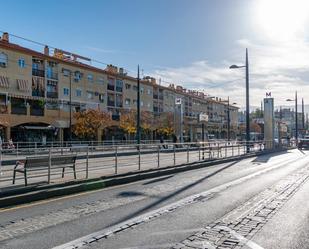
(45, 162)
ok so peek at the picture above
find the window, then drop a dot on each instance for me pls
(135, 88)
(128, 101)
(90, 77)
(148, 105)
(66, 72)
(134, 101)
(142, 89)
(149, 91)
(66, 91)
(142, 103)
(102, 97)
(77, 76)
(78, 93)
(100, 80)
(21, 63)
(128, 86)
(119, 85)
(89, 95)
(3, 60)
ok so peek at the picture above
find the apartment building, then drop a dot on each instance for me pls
(37, 90)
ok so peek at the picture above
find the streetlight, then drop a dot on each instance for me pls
(296, 121)
(247, 99)
(138, 123)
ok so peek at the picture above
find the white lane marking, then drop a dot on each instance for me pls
(241, 238)
(197, 244)
(82, 241)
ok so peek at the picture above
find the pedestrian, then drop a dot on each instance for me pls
(0, 155)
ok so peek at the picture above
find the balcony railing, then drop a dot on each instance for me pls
(36, 111)
(38, 93)
(110, 103)
(110, 87)
(53, 95)
(3, 109)
(118, 104)
(19, 110)
(38, 72)
(52, 75)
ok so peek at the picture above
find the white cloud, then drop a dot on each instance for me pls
(279, 68)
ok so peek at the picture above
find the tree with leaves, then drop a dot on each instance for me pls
(88, 123)
(165, 124)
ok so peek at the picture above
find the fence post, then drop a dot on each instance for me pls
(139, 157)
(188, 153)
(49, 165)
(158, 156)
(116, 160)
(199, 153)
(232, 150)
(238, 150)
(174, 154)
(87, 162)
(226, 144)
(35, 148)
(17, 148)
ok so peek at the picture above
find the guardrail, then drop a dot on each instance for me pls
(98, 160)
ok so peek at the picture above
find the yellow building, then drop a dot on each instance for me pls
(36, 88)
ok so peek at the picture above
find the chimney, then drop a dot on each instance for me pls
(46, 50)
(5, 37)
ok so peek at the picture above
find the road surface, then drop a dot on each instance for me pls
(253, 203)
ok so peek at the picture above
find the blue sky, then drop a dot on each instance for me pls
(190, 42)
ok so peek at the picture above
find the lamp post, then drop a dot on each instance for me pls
(138, 123)
(247, 99)
(228, 118)
(296, 120)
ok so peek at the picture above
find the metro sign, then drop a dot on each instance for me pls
(178, 101)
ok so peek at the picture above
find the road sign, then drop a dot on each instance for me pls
(203, 117)
(178, 101)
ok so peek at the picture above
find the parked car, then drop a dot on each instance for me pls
(304, 143)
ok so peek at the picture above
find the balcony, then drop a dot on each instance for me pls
(52, 75)
(110, 87)
(3, 109)
(36, 111)
(53, 95)
(119, 104)
(19, 110)
(38, 72)
(118, 89)
(38, 93)
(110, 103)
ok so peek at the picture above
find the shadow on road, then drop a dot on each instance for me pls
(167, 197)
(266, 157)
(158, 180)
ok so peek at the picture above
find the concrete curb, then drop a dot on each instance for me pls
(36, 193)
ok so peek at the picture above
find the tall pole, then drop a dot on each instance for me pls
(228, 119)
(296, 119)
(303, 113)
(70, 125)
(247, 103)
(138, 123)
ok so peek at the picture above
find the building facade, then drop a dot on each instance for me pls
(38, 89)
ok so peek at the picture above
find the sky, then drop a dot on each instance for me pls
(186, 42)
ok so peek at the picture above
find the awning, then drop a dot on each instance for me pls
(28, 127)
(60, 124)
(4, 82)
(38, 83)
(23, 85)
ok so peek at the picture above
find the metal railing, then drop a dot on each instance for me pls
(98, 160)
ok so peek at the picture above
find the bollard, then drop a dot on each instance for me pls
(139, 157)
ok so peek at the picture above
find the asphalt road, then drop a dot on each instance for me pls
(252, 203)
